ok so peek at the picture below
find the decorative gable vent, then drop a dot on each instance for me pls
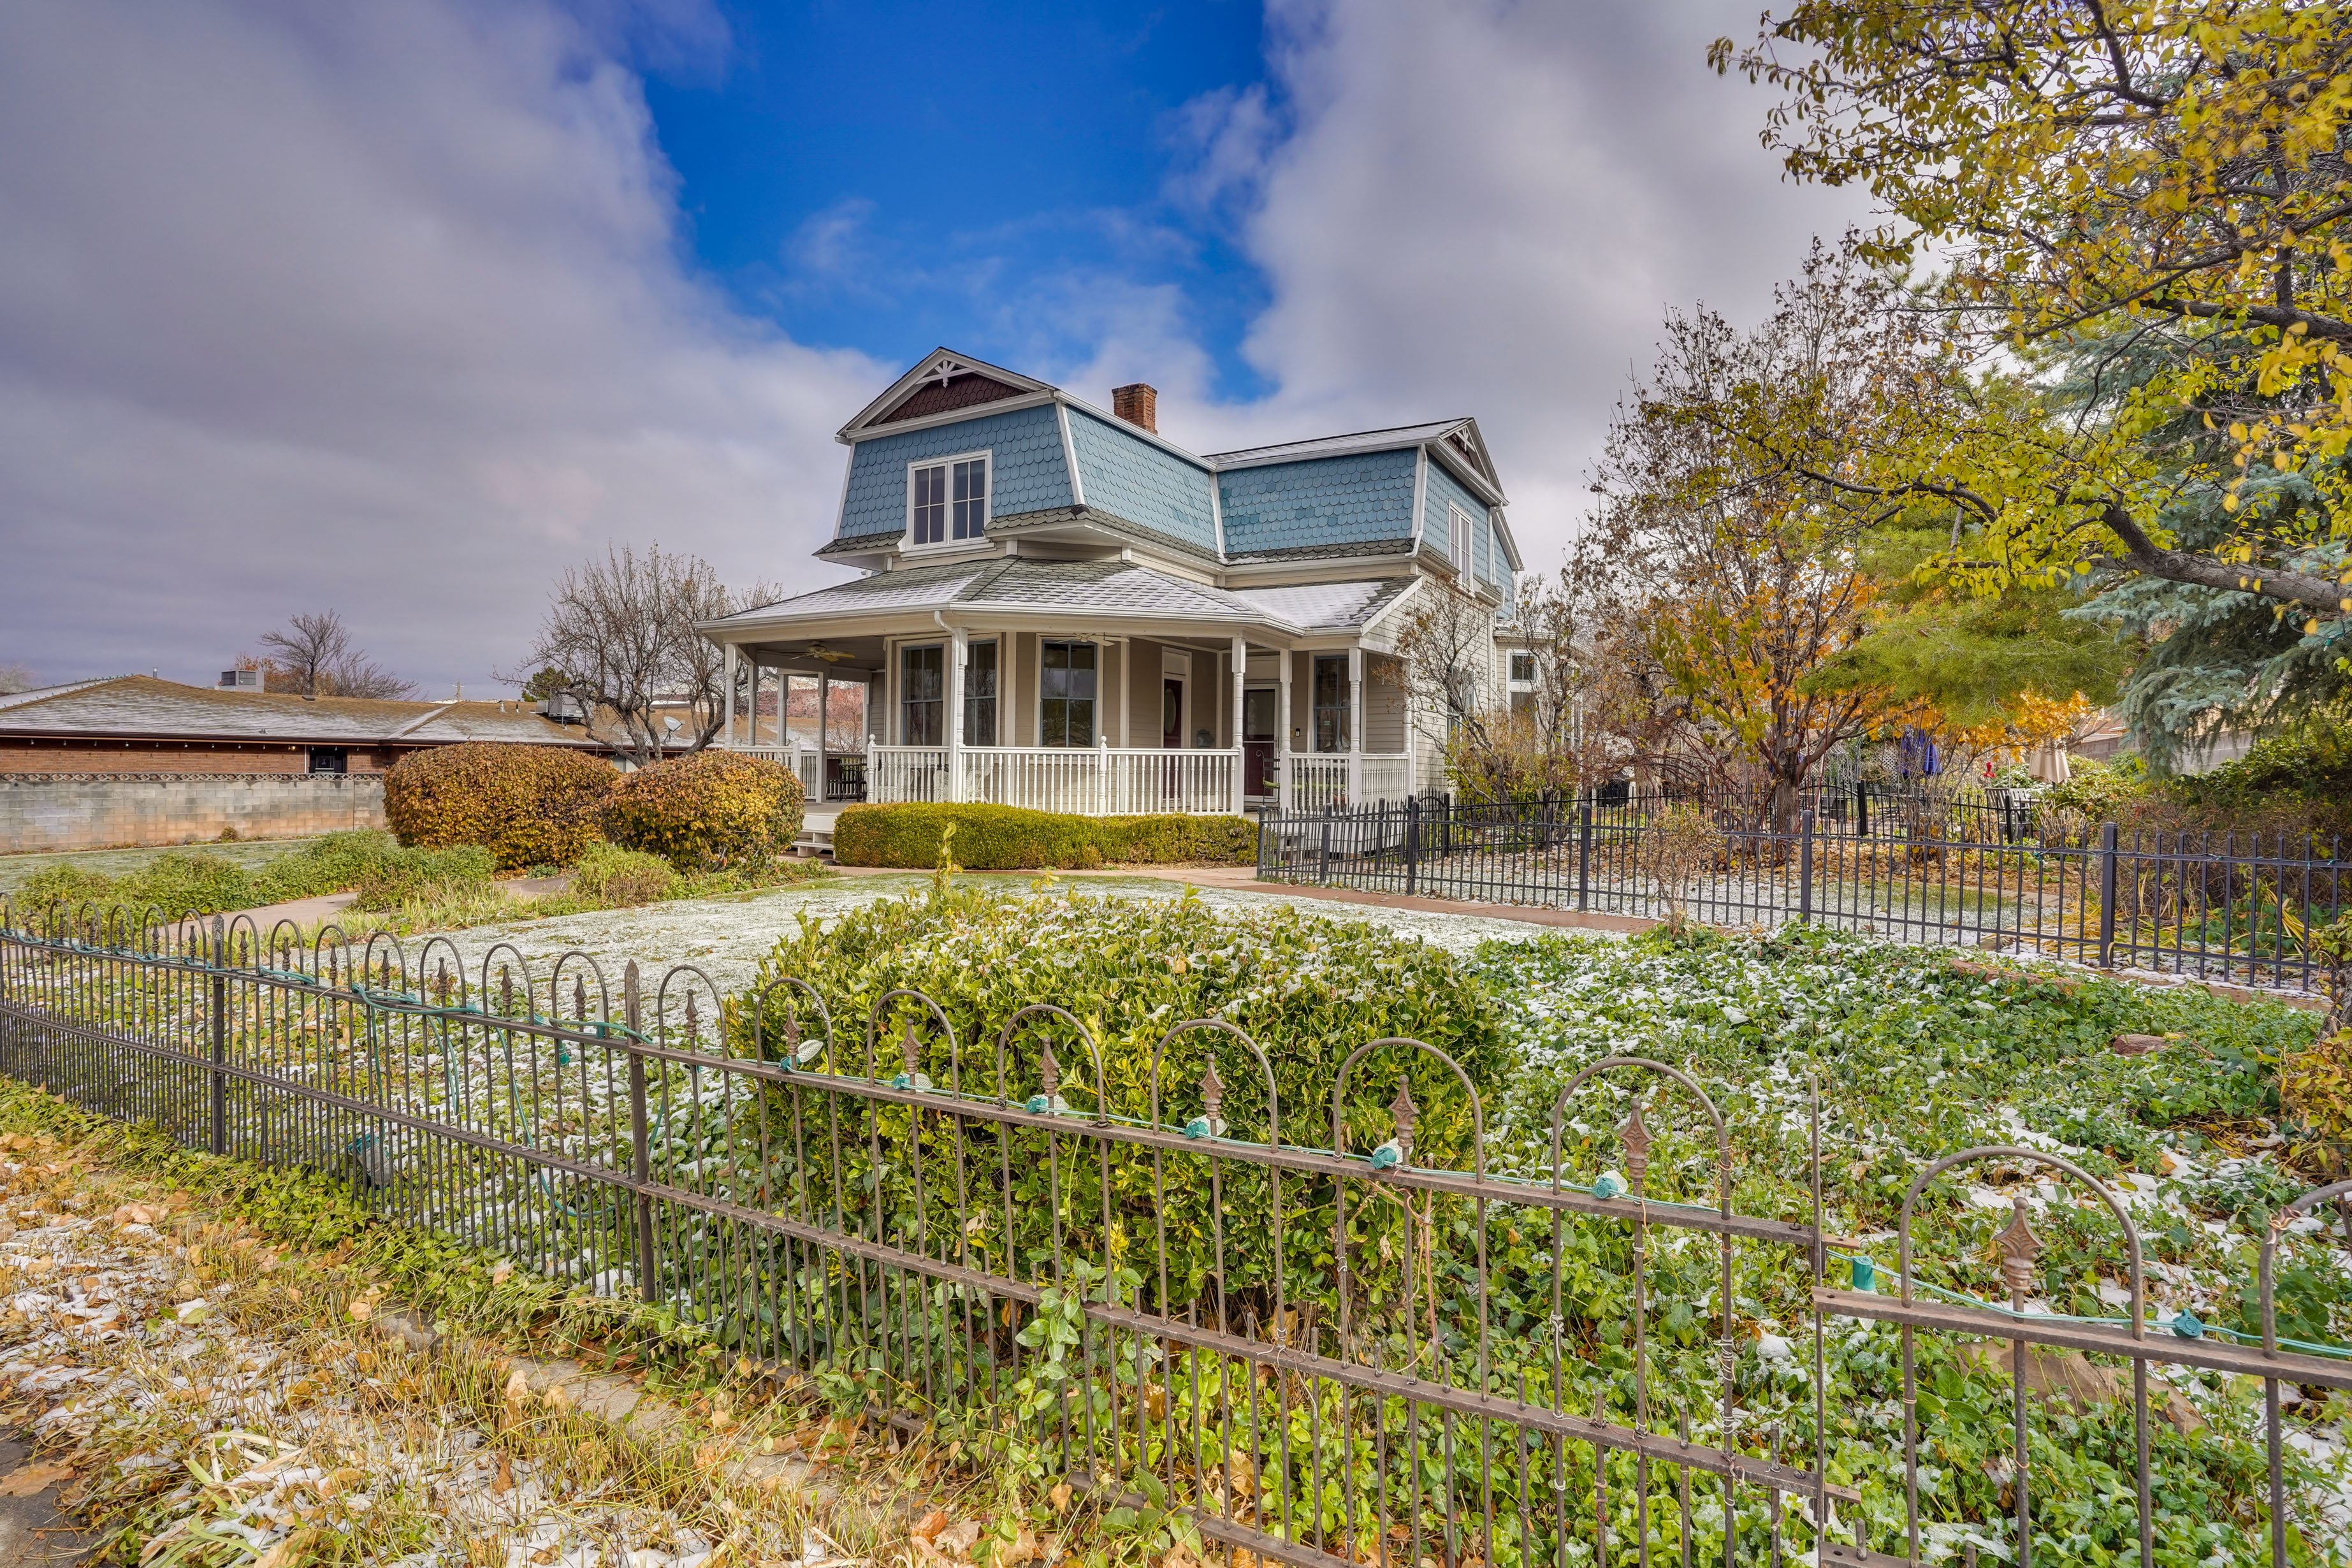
(948, 384)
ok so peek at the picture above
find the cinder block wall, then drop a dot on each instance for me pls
(99, 811)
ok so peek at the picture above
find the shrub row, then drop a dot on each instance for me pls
(1009, 838)
(541, 805)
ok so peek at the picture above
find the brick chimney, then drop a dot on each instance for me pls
(1137, 405)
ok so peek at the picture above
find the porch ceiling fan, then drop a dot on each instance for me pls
(830, 654)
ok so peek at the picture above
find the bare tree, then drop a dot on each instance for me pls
(313, 654)
(619, 637)
(1503, 739)
(15, 678)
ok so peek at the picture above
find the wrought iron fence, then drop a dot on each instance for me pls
(2235, 907)
(1370, 1349)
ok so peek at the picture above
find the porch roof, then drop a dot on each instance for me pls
(1113, 589)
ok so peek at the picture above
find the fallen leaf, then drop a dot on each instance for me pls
(362, 1308)
(1060, 1498)
(33, 1479)
(340, 1480)
(503, 1482)
(502, 1272)
(288, 1552)
(1024, 1550)
(929, 1527)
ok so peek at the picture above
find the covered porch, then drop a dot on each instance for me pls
(1128, 718)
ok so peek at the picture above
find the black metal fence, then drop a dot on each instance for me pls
(2234, 908)
(1388, 1346)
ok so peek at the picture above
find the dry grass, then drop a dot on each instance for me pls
(221, 1402)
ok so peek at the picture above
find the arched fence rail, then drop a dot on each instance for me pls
(1328, 1332)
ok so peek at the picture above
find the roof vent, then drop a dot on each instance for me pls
(1137, 404)
(240, 680)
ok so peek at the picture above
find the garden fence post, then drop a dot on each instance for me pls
(1585, 852)
(1411, 844)
(1323, 859)
(641, 1149)
(1861, 809)
(2107, 895)
(219, 1141)
(1805, 871)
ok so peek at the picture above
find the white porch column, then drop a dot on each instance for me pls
(1282, 794)
(955, 712)
(728, 686)
(823, 720)
(1241, 753)
(1356, 725)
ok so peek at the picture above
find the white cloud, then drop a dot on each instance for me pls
(377, 307)
(1484, 207)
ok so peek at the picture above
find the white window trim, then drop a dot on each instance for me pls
(1461, 535)
(986, 457)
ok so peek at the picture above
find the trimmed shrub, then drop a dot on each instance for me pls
(711, 811)
(1009, 838)
(1309, 989)
(528, 805)
(406, 876)
(620, 879)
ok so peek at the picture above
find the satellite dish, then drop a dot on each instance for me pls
(670, 725)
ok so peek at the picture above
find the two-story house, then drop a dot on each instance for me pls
(1061, 608)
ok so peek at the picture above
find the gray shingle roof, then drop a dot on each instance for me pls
(1326, 607)
(1321, 445)
(1092, 588)
(139, 705)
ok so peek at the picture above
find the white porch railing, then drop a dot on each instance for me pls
(1319, 779)
(898, 773)
(1097, 781)
(808, 765)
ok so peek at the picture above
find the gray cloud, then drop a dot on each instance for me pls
(377, 307)
(385, 306)
(1483, 207)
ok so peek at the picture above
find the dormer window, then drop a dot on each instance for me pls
(947, 500)
(1461, 542)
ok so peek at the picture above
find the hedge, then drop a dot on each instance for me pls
(711, 811)
(1009, 838)
(528, 805)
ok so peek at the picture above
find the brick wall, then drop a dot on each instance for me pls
(20, 754)
(95, 811)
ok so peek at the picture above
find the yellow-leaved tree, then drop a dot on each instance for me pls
(2157, 192)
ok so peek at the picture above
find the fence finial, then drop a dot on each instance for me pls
(1406, 1115)
(2018, 1248)
(1635, 1136)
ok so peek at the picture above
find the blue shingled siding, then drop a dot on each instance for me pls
(1353, 499)
(1142, 483)
(1437, 529)
(1026, 471)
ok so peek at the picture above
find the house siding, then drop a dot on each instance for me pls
(1354, 499)
(1445, 490)
(1026, 470)
(1145, 484)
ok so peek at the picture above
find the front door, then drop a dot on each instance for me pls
(1257, 741)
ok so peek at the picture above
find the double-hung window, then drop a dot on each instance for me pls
(1066, 711)
(922, 694)
(980, 694)
(947, 500)
(1464, 533)
(1330, 689)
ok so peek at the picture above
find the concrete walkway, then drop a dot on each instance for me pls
(1244, 878)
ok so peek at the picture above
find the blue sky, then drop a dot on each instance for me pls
(401, 308)
(894, 175)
